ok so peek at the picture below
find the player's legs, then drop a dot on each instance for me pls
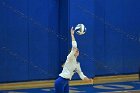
(60, 83)
(66, 88)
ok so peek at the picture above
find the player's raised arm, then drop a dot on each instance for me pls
(74, 43)
(74, 49)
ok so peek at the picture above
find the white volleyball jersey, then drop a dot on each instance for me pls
(71, 65)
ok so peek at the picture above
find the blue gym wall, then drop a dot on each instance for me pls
(35, 39)
(112, 40)
(29, 45)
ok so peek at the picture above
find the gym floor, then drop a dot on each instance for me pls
(119, 87)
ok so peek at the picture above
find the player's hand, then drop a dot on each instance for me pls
(89, 80)
(72, 31)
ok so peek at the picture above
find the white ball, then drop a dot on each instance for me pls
(80, 29)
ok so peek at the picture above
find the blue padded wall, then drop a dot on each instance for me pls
(35, 37)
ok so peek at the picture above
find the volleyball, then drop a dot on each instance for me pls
(80, 29)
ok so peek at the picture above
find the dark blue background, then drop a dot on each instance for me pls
(35, 39)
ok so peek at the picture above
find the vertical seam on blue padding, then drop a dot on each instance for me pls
(28, 38)
(104, 29)
(68, 23)
(59, 30)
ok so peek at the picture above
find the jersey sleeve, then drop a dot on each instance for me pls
(80, 73)
(73, 50)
